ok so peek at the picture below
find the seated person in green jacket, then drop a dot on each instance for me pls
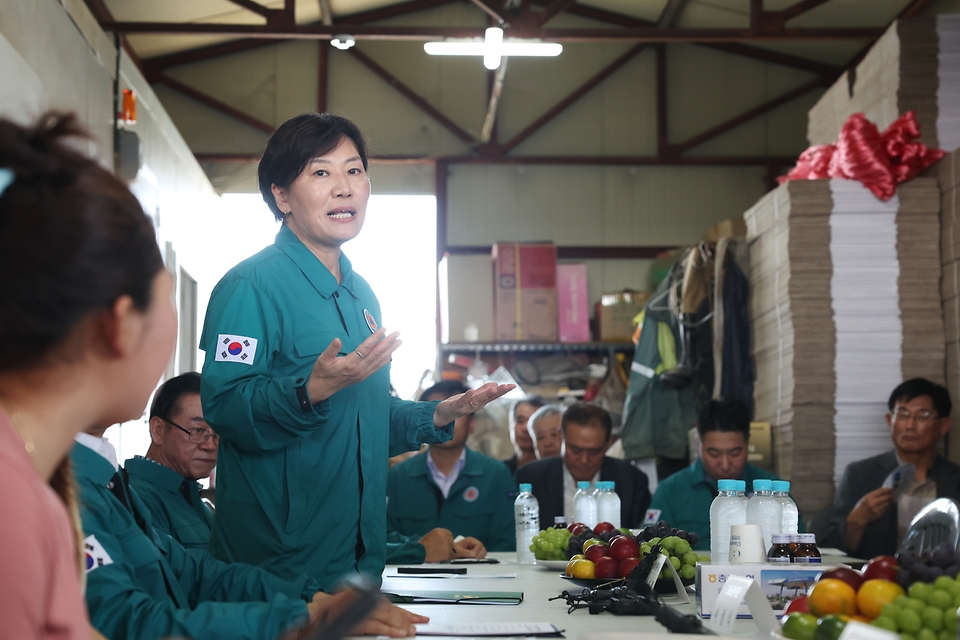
(183, 450)
(143, 585)
(683, 499)
(438, 545)
(453, 487)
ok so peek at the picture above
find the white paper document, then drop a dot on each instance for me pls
(489, 629)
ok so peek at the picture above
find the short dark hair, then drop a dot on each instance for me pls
(445, 388)
(166, 401)
(533, 400)
(916, 387)
(585, 414)
(724, 415)
(298, 141)
(73, 240)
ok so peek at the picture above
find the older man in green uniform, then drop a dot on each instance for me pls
(684, 498)
(183, 450)
(454, 487)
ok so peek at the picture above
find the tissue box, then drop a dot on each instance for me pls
(781, 583)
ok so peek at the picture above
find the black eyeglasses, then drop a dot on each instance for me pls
(198, 435)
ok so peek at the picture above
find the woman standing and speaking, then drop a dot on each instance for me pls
(295, 378)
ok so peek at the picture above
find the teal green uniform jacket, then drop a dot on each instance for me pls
(480, 502)
(159, 488)
(405, 549)
(300, 490)
(684, 499)
(154, 588)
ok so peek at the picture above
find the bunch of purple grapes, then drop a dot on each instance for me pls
(942, 560)
(662, 530)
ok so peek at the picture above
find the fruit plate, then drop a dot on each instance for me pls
(594, 583)
(553, 565)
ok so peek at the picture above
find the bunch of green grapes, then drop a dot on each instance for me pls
(679, 553)
(928, 612)
(550, 544)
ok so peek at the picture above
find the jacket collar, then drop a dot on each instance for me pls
(90, 465)
(318, 275)
(154, 473)
(418, 464)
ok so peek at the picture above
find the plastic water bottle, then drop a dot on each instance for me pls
(763, 509)
(608, 503)
(585, 505)
(789, 515)
(726, 510)
(526, 514)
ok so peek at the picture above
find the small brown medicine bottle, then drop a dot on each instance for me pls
(780, 550)
(807, 552)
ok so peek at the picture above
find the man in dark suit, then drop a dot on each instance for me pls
(586, 433)
(867, 519)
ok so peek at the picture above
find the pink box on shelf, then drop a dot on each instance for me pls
(573, 308)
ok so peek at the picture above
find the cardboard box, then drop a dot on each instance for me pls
(466, 299)
(572, 305)
(781, 583)
(525, 291)
(729, 228)
(760, 451)
(615, 314)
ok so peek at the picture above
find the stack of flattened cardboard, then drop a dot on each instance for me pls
(914, 66)
(841, 297)
(948, 172)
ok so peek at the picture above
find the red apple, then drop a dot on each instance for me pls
(623, 547)
(845, 574)
(571, 526)
(578, 528)
(606, 568)
(603, 526)
(882, 568)
(596, 552)
(627, 565)
(797, 605)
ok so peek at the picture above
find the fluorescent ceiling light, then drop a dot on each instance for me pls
(343, 41)
(492, 48)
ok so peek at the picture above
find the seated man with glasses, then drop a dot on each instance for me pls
(183, 450)
(868, 519)
(586, 432)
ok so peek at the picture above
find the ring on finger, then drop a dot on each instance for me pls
(359, 354)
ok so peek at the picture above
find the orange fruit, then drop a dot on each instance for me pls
(831, 596)
(583, 569)
(874, 594)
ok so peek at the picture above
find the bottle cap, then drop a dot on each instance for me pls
(583, 485)
(742, 485)
(780, 538)
(526, 488)
(727, 485)
(808, 538)
(762, 485)
(781, 485)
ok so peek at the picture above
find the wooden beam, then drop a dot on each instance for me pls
(391, 11)
(215, 104)
(255, 7)
(555, 8)
(775, 57)
(496, 88)
(799, 8)
(577, 93)
(576, 34)
(579, 252)
(913, 9)
(323, 68)
(493, 13)
(670, 12)
(155, 66)
(748, 115)
(663, 133)
(412, 96)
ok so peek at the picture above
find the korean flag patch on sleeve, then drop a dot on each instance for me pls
(235, 349)
(94, 555)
